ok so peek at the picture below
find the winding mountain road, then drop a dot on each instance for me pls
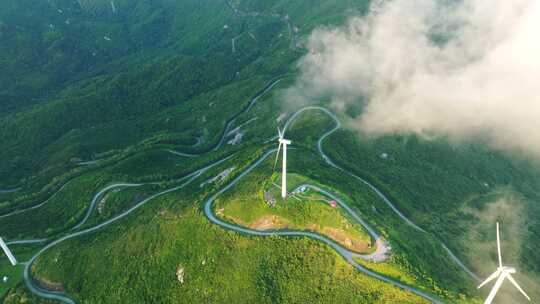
(8, 191)
(383, 197)
(349, 256)
(26, 242)
(38, 205)
(30, 284)
(382, 249)
(269, 86)
(178, 153)
(327, 159)
(98, 196)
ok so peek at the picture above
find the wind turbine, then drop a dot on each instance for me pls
(503, 272)
(8, 253)
(283, 142)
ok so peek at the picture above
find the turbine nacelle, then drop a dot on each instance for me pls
(510, 270)
(284, 141)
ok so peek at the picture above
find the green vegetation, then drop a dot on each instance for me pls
(79, 112)
(256, 203)
(13, 274)
(63, 211)
(448, 189)
(118, 200)
(19, 294)
(171, 235)
(394, 269)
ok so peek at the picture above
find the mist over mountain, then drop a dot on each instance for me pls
(467, 70)
(141, 162)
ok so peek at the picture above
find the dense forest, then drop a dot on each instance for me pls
(125, 113)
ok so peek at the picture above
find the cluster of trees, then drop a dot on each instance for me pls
(110, 102)
(140, 257)
(434, 184)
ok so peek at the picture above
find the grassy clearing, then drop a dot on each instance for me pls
(14, 275)
(256, 203)
(264, 270)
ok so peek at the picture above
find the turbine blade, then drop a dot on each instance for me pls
(517, 286)
(490, 278)
(495, 289)
(499, 245)
(280, 133)
(277, 156)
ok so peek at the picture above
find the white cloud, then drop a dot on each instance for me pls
(481, 78)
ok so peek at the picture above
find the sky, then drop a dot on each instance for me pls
(464, 70)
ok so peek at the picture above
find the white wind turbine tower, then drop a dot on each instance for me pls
(503, 272)
(283, 142)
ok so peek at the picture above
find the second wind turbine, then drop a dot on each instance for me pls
(283, 142)
(502, 273)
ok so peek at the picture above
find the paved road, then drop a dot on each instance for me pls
(59, 296)
(98, 196)
(382, 248)
(89, 163)
(327, 159)
(182, 153)
(383, 197)
(7, 191)
(26, 242)
(36, 206)
(30, 284)
(246, 109)
(348, 255)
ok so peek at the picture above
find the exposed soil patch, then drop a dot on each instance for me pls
(269, 222)
(274, 222)
(48, 285)
(344, 238)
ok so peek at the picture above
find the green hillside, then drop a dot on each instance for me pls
(148, 103)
